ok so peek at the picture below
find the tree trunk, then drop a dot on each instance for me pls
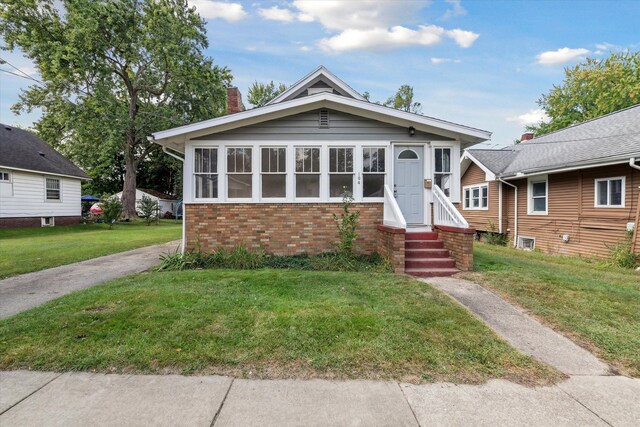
(129, 188)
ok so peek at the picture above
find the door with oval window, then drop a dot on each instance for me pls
(408, 182)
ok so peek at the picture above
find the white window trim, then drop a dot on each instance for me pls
(193, 175)
(470, 188)
(455, 195)
(595, 193)
(44, 181)
(530, 182)
(329, 173)
(285, 173)
(324, 177)
(6, 181)
(519, 244)
(254, 177)
(361, 173)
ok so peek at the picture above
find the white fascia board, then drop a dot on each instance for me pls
(489, 175)
(321, 70)
(176, 137)
(45, 173)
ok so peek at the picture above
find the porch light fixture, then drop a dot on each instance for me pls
(412, 131)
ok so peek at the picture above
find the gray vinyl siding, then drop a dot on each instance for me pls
(342, 126)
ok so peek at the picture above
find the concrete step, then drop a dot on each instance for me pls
(424, 244)
(430, 263)
(431, 272)
(421, 235)
(425, 253)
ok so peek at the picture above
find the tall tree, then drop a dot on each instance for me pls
(114, 71)
(591, 89)
(403, 100)
(261, 93)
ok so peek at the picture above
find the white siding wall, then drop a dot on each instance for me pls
(165, 205)
(24, 196)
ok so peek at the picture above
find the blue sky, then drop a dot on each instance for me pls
(478, 63)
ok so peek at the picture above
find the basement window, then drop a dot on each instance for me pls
(47, 221)
(323, 120)
(526, 243)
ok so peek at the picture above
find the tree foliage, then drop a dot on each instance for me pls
(149, 209)
(261, 93)
(111, 209)
(591, 89)
(403, 100)
(113, 72)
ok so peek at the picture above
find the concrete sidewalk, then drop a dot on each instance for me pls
(79, 399)
(29, 290)
(520, 330)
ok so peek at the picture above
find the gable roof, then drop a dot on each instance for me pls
(175, 138)
(318, 77)
(21, 149)
(609, 139)
(158, 194)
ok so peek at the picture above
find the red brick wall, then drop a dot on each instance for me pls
(459, 242)
(278, 228)
(36, 221)
(391, 246)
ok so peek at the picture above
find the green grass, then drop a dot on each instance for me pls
(23, 250)
(264, 324)
(598, 306)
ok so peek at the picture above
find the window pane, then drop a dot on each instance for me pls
(615, 187)
(603, 188)
(446, 160)
(540, 204)
(348, 159)
(299, 159)
(342, 161)
(231, 159)
(366, 160)
(444, 182)
(307, 159)
(273, 160)
(198, 160)
(307, 185)
(338, 184)
(315, 160)
(379, 160)
(239, 186)
(476, 193)
(274, 185)
(333, 160)
(373, 185)
(247, 159)
(467, 197)
(438, 159)
(408, 154)
(206, 186)
(282, 159)
(539, 189)
(266, 159)
(484, 191)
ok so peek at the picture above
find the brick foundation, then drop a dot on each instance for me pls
(278, 228)
(459, 242)
(37, 222)
(391, 246)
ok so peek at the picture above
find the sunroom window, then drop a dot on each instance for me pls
(373, 171)
(206, 173)
(307, 172)
(442, 175)
(274, 172)
(476, 197)
(610, 192)
(239, 175)
(340, 171)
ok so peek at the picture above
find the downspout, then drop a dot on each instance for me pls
(500, 208)
(515, 212)
(632, 163)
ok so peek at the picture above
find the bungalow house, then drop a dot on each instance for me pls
(39, 187)
(166, 202)
(574, 191)
(271, 177)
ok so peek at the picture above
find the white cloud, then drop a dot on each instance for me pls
(463, 38)
(531, 117)
(277, 14)
(230, 12)
(560, 56)
(456, 10)
(378, 39)
(607, 46)
(444, 60)
(305, 48)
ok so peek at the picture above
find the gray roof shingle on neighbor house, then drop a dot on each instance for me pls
(610, 138)
(21, 149)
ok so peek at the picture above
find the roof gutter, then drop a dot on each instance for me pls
(632, 163)
(164, 149)
(515, 212)
(568, 169)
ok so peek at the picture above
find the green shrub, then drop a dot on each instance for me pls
(111, 209)
(148, 209)
(620, 254)
(347, 223)
(492, 237)
(177, 261)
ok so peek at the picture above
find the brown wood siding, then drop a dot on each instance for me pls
(480, 219)
(592, 231)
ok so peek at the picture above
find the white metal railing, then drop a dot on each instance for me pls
(392, 215)
(444, 212)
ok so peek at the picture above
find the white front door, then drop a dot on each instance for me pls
(408, 182)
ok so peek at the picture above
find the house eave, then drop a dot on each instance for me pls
(87, 178)
(577, 166)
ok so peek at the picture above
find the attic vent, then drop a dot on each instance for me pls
(7, 128)
(41, 153)
(323, 121)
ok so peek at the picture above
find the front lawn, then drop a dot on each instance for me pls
(23, 250)
(596, 306)
(264, 324)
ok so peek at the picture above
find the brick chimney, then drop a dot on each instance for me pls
(234, 100)
(526, 136)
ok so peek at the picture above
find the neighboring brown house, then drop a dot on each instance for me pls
(577, 188)
(271, 178)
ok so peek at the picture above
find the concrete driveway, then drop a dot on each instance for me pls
(29, 290)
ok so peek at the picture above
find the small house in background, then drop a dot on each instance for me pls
(166, 202)
(574, 191)
(39, 187)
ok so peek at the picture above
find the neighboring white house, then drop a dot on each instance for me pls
(167, 202)
(38, 185)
